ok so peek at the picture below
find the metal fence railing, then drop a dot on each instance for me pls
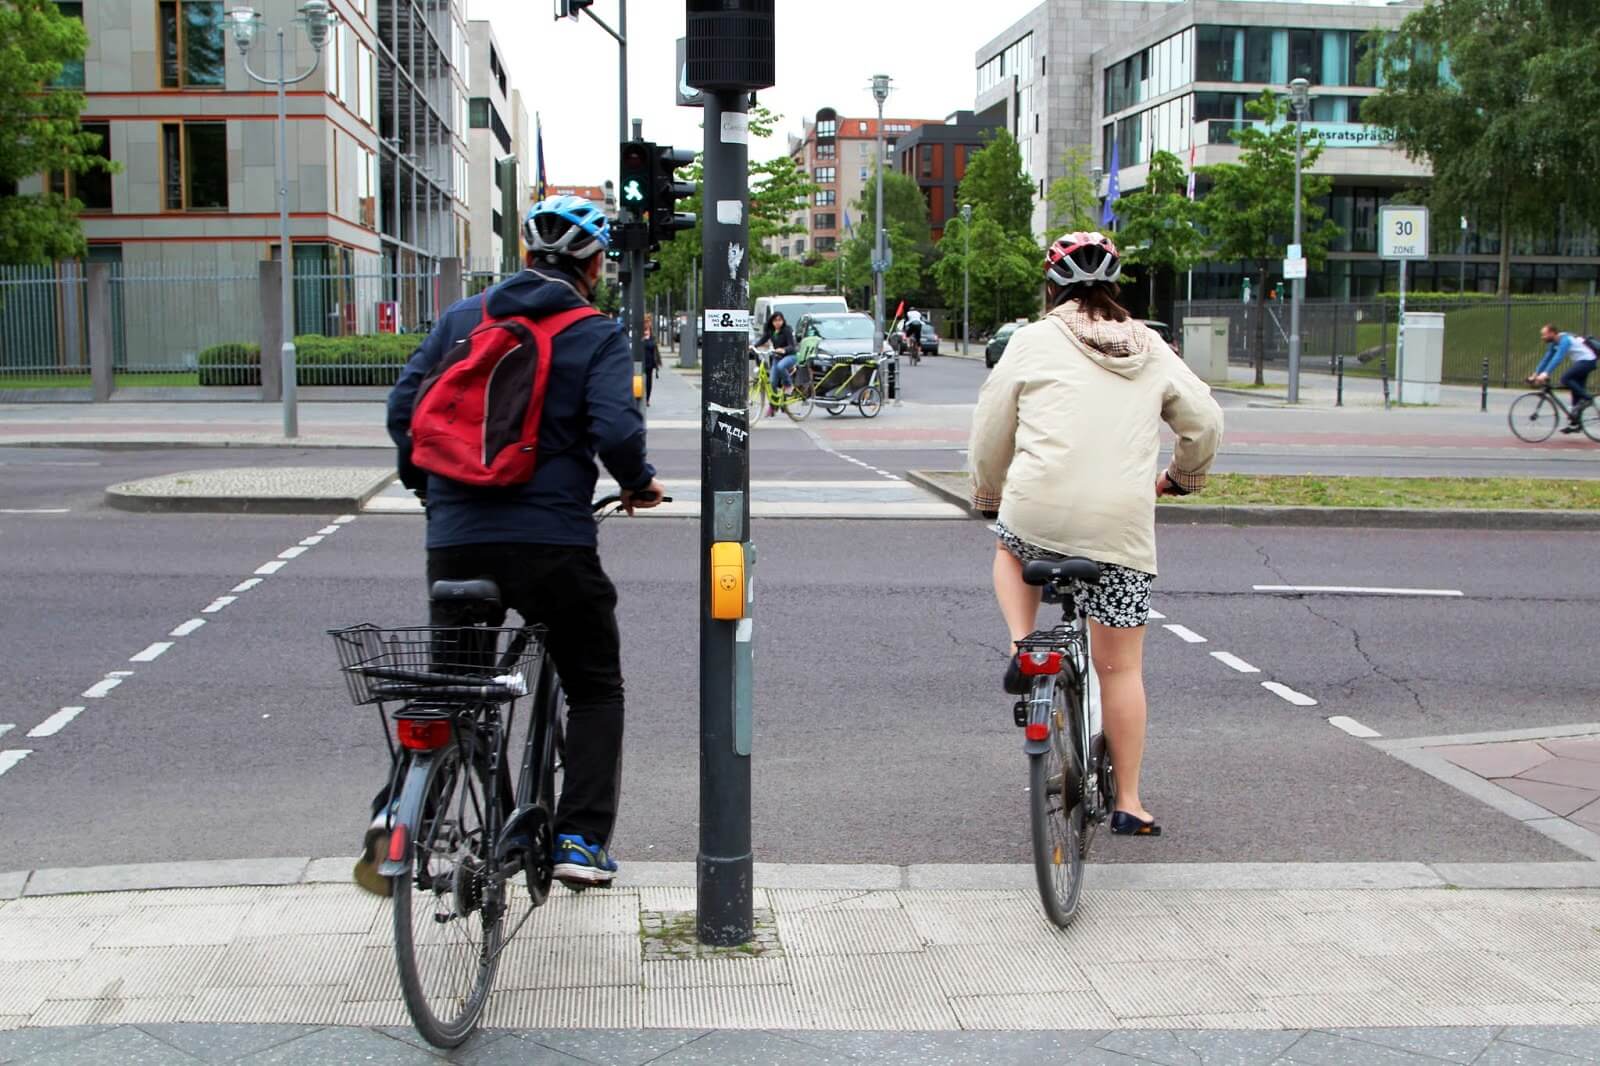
(43, 326)
(184, 324)
(1502, 335)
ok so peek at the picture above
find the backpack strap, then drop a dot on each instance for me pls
(548, 327)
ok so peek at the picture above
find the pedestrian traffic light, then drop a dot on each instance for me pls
(634, 189)
(665, 218)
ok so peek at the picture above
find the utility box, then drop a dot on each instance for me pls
(1423, 357)
(1205, 348)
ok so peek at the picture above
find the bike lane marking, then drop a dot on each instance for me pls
(246, 585)
(292, 553)
(6, 727)
(268, 569)
(1279, 689)
(217, 604)
(1353, 727)
(1356, 590)
(188, 627)
(1184, 633)
(12, 756)
(1232, 661)
(55, 723)
(152, 653)
(101, 689)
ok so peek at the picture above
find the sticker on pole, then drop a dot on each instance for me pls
(1294, 269)
(1402, 232)
(735, 128)
(727, 321)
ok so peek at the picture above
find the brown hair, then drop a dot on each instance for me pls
(1096, 301)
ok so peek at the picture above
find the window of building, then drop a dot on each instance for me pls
(824, 220)
(826, 244)
(93, 187)
(367, 187)
(925, 161)
(194, 162)
(799, 246)
(366, 84)
(496, 70)
(462, 177)
(479, 113)
(71, 76)
(863, 173)
(193, 44)
(342, 61)
(824, 175)
(828, 127)
(827, 151)
(825, 197)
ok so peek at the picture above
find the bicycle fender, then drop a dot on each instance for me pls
(1039, 714)
(408, 812)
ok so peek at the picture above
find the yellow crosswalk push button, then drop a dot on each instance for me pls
(727, 580)
(638, 386)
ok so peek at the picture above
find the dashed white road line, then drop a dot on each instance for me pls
(8, 759)
(6, 727)
(344, 519)
(35, 510)
(1185, 634)
(246, 585)
(292, 553)
(1356, 590)
(217, 604)
(1156, 616)
(325, 530)
(152, 653)
(1353, 727)
(1228, 659)
(1282, 691)
(53, 725)
(268, 569)
(101, 689)
(312, 541)
(188, 627)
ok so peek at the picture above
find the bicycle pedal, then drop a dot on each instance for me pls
(1019, 713)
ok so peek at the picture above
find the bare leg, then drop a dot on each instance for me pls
(1019, 601)
(1119, 664)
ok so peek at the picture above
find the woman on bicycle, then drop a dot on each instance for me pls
(1064, 443)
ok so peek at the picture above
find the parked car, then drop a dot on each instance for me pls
(930, 339)
(794, 307)
(997, 344)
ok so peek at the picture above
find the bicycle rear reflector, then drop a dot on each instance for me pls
(423, 735)
(1035, 663)
(1037, 731)
(397, 844)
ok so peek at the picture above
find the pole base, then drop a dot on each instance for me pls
(724, 903)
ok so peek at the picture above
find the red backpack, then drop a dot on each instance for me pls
(476, 416)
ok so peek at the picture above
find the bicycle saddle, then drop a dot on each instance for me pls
(1056, 571)
(476, 591)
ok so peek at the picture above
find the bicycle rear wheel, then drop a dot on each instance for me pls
(448, 914)
(1589, 419)
(1534, 417)
(1055, 800)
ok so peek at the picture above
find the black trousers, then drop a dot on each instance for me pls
(1576, 379)
(565, 590)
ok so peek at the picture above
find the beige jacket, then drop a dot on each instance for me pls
(1067, 433)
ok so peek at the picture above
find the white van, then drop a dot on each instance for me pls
(793, 307)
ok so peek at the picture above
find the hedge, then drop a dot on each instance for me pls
(370, 359)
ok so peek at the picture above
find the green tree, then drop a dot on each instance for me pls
(1508, 124)
(39, 131)
(790, 275)
(1249, 212)
(996, 181)
(1160, 224)
(909, 236)
(1074, 201)
(1004, 270)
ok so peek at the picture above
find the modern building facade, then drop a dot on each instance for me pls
(838, 153)
(377, 163)
(1127, 78)
(934, 155)
(499, 162)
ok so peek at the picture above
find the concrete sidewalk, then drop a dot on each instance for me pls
(849, 948)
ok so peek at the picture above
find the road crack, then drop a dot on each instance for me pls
(1404, 684)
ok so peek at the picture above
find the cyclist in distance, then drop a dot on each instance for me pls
(536, 540)
(1559, 347)
(1064, 443)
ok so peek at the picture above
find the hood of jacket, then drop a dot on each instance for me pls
(535, 293)
(1123, 348)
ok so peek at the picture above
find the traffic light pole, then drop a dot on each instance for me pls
(725, 866)
(635, 298)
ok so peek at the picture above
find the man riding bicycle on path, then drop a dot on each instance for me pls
(536, 540)
(1559, 347)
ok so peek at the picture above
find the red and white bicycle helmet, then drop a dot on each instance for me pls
(1083, 259)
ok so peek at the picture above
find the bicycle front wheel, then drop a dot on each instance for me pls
(1057, 816)
(757, 402)
(1589, 419)
(448, 913)
(1534, 417)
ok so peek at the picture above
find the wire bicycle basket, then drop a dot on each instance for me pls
(445, 664)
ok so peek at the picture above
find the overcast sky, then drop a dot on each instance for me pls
(828, 51)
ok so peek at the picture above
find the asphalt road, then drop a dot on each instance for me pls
(881, 733)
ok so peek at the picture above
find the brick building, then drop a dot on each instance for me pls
(934, 155)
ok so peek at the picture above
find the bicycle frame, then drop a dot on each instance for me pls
(1071, 638)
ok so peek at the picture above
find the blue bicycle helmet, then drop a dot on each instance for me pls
(567, 226)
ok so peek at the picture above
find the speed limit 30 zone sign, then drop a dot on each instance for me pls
(1403, 232)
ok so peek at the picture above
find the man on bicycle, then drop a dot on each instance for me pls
(1559, 347)
(536, 540)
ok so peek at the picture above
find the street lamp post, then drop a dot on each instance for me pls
(880, 93)
(317, 20)
(1461, 265)
(1299, 97)
(966, 280)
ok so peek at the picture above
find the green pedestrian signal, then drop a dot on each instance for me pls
(635, 182)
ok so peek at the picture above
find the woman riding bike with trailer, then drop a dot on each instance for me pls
(1064, 443)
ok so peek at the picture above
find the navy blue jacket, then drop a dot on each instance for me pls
(588, 412)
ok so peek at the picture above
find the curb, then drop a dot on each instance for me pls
(122, 498)
(862, 877)
(104, 445)
(1179, 514)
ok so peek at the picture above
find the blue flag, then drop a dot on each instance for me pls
(539, 180)
(1108, 214)
(847, 227)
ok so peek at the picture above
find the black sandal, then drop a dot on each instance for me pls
(1015, 683)
(1127, 824)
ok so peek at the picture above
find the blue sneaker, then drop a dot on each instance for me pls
(582, 864)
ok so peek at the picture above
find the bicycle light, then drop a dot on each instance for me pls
(422, 734)
(1036, 663)
(727, 580)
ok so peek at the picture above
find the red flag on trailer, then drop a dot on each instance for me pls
(898, 311)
